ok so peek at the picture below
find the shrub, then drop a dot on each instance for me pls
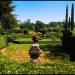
(31, 33)
(1, 31)
(2, 42)
(73, 32)
(9, 38)
(14, 35)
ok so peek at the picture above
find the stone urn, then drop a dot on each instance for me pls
(34, 52)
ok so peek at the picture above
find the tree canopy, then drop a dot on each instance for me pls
(7, 19)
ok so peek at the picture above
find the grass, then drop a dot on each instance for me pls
(62, 65)
(18, 46)
(10, 67)
(26, 43)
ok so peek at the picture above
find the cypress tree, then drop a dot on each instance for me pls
(69, 24)
(66, 22)
(72, 16)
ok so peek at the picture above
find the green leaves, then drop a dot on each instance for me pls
(11, 67)
(6, 17)
(2, 42)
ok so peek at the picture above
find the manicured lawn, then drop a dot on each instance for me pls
(18, 46)
(61, 65)
(27, 43)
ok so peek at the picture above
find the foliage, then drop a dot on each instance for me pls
(2, 42)
(72, 17)
(27, 25)
(6, 17)
(31, 33)
(39, 26)
(1, 31)
(10, 38)
(10, 67)
(68, 39)
(66, 22)
(73, 32)
(26, 31)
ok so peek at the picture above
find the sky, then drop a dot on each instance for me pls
(45, 11)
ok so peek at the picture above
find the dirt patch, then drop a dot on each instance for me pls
(23, 56)
(20, 55)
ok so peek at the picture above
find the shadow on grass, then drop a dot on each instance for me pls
(71, 53)
(48, 42)
(22, 42)
(55, 51)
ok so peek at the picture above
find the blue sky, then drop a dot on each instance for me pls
(44, 11)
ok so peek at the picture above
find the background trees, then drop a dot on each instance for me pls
(39, 26)
(8, 22)
(27, 25)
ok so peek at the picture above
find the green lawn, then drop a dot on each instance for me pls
(27, 43)
(62, 66)
(10, 67)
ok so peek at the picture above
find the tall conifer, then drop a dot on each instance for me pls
(66, 22)
(72, 17)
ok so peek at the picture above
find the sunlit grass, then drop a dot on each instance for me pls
(27, 43)
(19, 46)
(11, 67)
(24, 39)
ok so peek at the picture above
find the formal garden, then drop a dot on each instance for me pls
(56, 42)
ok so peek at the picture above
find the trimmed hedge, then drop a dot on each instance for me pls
(2, 42)
(5, 39)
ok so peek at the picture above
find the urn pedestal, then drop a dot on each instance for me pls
(34, 53)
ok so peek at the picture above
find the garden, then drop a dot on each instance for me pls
(56, 42)
(14, 58)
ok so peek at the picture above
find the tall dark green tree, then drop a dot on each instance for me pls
(66, 22)
(69, 27)
(72, 17)
(6, 17)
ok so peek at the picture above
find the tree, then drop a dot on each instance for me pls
(27, 25)
(6, 17)
(66, 22)
(69, 24)
(39, 26)
(72, 16)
